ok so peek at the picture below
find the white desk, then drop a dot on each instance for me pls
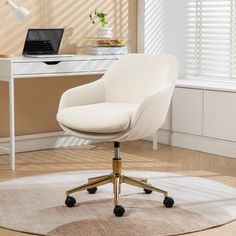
(21, 67)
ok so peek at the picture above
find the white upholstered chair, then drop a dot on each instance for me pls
(129, 102)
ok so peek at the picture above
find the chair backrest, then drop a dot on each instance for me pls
(136, 75)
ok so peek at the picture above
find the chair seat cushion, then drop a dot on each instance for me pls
(98, 118)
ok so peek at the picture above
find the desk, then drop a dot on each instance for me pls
(22, 67)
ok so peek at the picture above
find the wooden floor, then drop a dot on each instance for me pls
(136, 155)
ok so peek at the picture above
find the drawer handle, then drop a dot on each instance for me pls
(52, 62)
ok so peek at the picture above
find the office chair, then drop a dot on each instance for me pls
(129, 102)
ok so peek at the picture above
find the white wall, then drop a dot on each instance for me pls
(161, 28)
(174, 12)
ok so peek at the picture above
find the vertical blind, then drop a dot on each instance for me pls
(210, 38)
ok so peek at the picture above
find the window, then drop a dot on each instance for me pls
(210, 38)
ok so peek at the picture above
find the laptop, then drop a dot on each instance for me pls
(43, 43)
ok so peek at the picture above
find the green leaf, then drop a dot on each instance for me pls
(101, 17)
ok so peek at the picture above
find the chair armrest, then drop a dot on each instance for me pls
(83, 95)
(151, 113)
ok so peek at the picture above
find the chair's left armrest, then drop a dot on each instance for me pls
(152, 112)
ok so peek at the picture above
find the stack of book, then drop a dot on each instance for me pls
(106, 47)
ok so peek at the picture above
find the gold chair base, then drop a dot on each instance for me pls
(117, 178)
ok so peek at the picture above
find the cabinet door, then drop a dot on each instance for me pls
(187, 111)
(220, 115)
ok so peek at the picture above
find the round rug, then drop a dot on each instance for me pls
(36, 205)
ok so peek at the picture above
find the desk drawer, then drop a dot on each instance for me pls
(101, 65)
(50, 67)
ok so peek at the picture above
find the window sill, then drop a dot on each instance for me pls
(216, 85)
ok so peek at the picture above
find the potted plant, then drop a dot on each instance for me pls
(103, 31)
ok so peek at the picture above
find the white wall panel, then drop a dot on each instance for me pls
(161, 27)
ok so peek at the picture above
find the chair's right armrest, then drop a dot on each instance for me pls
(83, 95)
(151, 114)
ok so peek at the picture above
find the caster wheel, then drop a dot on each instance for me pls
(147, 191)
(168, 202)
(70, 201)
(92, 190)
(119, 210)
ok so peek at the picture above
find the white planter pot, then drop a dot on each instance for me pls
(104, 33)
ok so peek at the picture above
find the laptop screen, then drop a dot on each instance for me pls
(43, 41)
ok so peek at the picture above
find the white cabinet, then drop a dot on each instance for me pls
(202, 117)
(187, 111)
(220, 115)
(202, 112)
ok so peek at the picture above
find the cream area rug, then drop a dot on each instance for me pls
(36, 205)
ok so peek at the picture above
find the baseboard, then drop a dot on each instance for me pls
(198, 143)
(59, 139)
(42, 141)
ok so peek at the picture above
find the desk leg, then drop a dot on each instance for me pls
(12, 123)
